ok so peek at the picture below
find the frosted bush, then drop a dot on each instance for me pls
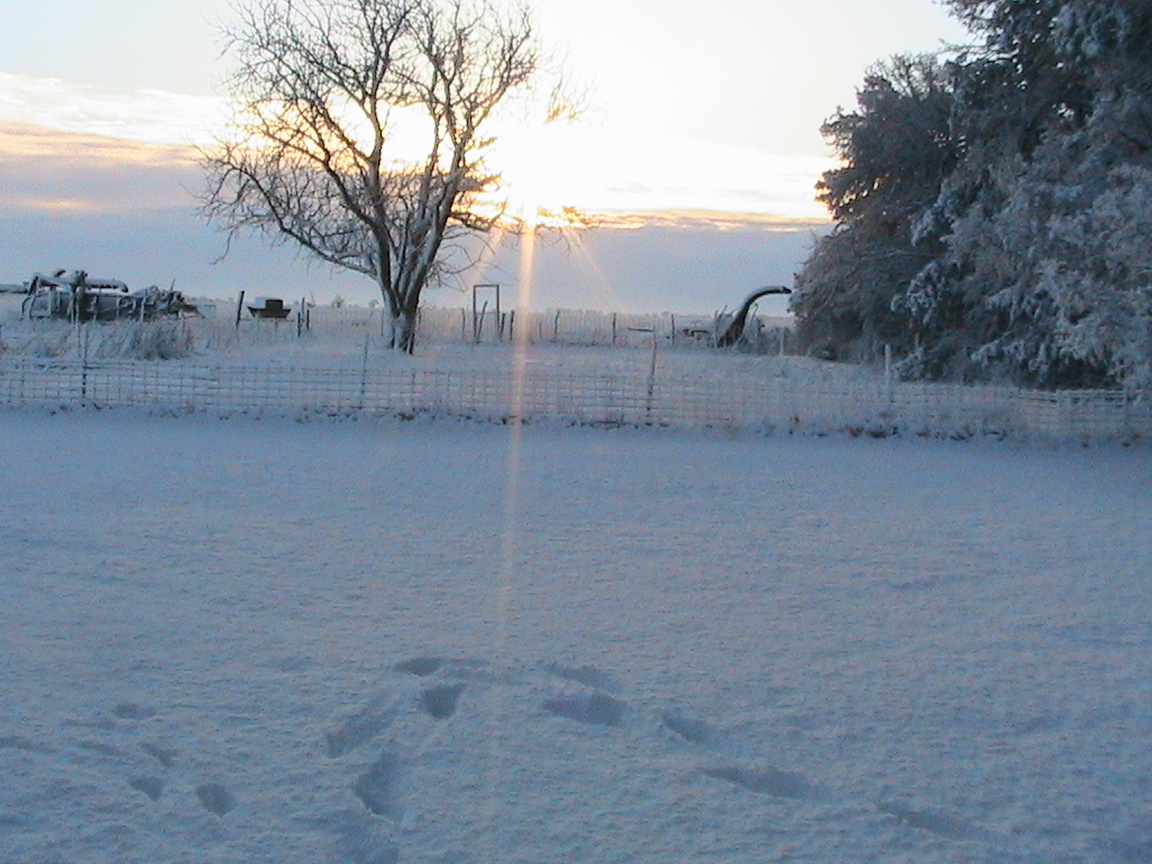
(160, 340)
(166, 339)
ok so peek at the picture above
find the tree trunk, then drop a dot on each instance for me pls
(404, 331)
(403, 315)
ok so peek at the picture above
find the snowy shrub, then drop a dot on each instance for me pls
(54, 343)
(165, 339)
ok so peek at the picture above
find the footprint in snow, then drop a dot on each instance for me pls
(359, 728)
(380, 788)
(589, 676)
(215, 798)
(151, 786)
(934, 821)
(440, 702)
(597, 709)
(690, 729)
(764, 781)
(133, 711)
(421, 667)
(166, 756)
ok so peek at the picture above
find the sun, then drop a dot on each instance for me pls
(540, 177)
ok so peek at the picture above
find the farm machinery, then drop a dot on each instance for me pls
(727, 329)
(75, 296)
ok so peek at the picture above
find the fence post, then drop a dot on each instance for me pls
(239, 308)
(888, 384)
(478, 323)
(655, 333)
(651, 377)
(363, 375)
(84, 365)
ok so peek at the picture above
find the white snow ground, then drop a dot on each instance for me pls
(371, 642)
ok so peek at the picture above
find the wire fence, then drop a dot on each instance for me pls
(869, 407)
(222, 324)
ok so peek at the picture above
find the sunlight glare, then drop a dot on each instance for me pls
(604, 293)
(507, 576)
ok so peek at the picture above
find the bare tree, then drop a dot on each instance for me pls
(330, 94)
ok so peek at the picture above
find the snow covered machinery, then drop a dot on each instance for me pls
(734, 331)
(75, 296)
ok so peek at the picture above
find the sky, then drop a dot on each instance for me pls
(701, 126)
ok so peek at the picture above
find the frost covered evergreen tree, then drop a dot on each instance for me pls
(1035, 260)
(895, 149)
(1044, 280)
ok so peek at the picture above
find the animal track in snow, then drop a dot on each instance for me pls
(422, 667)
(379, 788)
(132, 711)
(934, 822)
(145, 766)
(764, 781)
(150, 786)
(430, 687)
(589, 676)
(215, 798)
(596, 708)
(360, 840)
(359, 728)
(166, 756)
(440, 702)
(690, 729)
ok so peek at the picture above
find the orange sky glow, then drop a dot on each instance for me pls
(696, 158)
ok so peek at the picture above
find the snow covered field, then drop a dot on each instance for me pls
(369, 642)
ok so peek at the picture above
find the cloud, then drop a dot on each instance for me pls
(50, 170)
(711, 220)
(126, 209)
(593, 168)
(146, 116)
(626, 169)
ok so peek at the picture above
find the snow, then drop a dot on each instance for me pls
(369, 642)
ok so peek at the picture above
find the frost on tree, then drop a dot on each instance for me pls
(1030, 263)
(895, 149)
(361, 132)
(1040, 281)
